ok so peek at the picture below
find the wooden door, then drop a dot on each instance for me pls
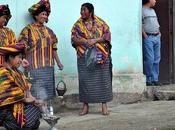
(164, 10)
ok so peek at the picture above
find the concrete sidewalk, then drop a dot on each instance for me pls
(143, 114)
(139, 116)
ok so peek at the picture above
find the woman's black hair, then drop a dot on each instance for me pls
(7, 56)
(145, 2)
(5, 11)
(90, 7)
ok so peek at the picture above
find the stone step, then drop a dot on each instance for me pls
(165, 94)
(166, 91)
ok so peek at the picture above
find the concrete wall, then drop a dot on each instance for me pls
(124, 19)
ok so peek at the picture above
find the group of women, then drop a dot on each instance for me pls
(36, 50)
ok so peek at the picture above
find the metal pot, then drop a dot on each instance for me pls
(61, 88)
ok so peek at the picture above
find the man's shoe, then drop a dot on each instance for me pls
(157, 83)
(149, 84)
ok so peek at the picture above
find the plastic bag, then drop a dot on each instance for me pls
(91, 57)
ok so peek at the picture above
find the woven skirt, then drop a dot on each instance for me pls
(43, 83)
(32, 115)
(95, 85)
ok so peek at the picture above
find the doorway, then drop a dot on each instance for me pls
(164, 10)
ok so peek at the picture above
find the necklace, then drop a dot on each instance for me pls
(89, 25)
(90, 28)
(40, 31)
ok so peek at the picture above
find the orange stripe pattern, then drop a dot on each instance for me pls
(7, 37)
(99, 30)
(40, 43)
(13, 84)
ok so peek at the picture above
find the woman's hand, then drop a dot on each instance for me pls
(57, 60)
(39, 103)
(60, 66)
(29, 100)
(91, 42)
(25, 63)
(28, 97)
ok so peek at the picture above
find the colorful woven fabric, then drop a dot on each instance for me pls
(99, 29)
(40, 4)
(32, 117)
(40, 43)
(11, 48)
(18, 113)
(13, 84)
(7, 37)
(4, 10)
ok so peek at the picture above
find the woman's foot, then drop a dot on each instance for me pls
(85, 109)
(105, 109)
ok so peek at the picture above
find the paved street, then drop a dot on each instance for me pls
(153, 115)
(139, 116)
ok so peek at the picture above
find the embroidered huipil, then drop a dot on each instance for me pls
(40, 43)
(99, 30)
(7, 36)
(13, 85)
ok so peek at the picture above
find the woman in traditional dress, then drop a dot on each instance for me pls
(7, 36)
(95, 84)
(41, 51)
(17, 109)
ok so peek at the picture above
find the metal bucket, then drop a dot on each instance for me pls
(61, 88)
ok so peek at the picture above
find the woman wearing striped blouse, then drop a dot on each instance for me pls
(17, 106)
(95, 82)
(41, 51)
(7, 36)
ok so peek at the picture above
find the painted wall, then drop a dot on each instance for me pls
(123, 17)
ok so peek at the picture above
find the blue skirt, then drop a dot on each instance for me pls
(43, 83)
(95, 86)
